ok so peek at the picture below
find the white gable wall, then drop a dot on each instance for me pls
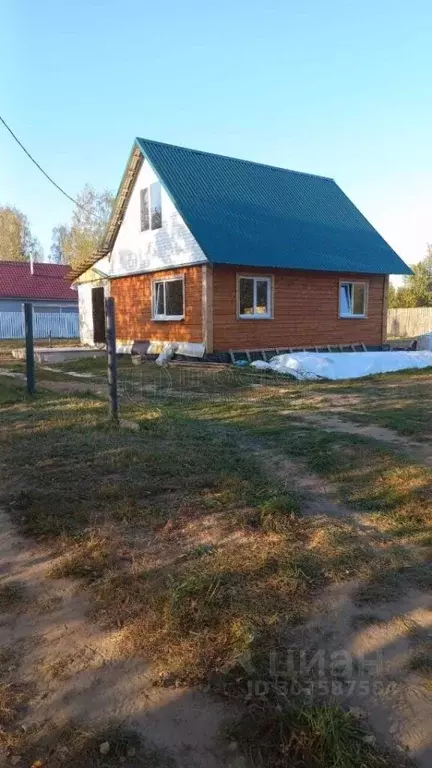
(86, 282)
(85, 313)
(172, 245)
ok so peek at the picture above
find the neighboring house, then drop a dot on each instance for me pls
(48, 288)
(228, 254)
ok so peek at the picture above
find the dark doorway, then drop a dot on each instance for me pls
(98, 303)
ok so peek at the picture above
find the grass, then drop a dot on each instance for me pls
(198, 557)
(421, 663)
(410, 419)
(208, 611)
(77, 746)
(12, 391)
(108, 493)
(387, 585)
(12, 696)
(400, 401)
(12, 596)
(306, 737)
(6, 345)
(367, 475)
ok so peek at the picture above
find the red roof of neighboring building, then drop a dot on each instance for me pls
(49, 282)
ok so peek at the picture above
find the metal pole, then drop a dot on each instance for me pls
(30, 364)
(112, 360)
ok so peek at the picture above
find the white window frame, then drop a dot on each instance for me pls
(256, 315)
(149, 201)
(165, 280)
(351, 315)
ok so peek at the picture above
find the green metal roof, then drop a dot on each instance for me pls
(246, 213)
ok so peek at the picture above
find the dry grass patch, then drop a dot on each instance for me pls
(421, 662)
(210, 608)
(421, 658)
(13, 696)
(344, 553)
(77, 746)
(387, 584)
(87, 559)
(12, 597)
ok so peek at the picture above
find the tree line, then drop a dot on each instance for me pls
(416, 290)
(71, 243)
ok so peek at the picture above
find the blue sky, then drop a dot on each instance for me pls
(341, 88)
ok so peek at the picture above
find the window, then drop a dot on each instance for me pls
(156, 205)
(168, 299)
(145, 218)
(254, 297)
(151, 207)
(352, 299)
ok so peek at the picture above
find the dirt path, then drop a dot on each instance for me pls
(419, 451)
(65, 385)
(371, 647)
(374, 642)
(74, 672)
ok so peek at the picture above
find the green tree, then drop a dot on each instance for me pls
(393, 301)
(416, 290)
(16, 240)
(78, 242)
(58, 244)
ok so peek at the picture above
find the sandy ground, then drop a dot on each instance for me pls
(76, 673)
(373, 645)
(419, 451)
(370, 645)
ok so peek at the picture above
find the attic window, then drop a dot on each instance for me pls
(352, 299)
(151, 207)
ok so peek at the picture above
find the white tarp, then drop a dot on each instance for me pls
(344, 365)
(424, 341)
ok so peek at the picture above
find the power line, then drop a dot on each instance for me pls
(75, 202)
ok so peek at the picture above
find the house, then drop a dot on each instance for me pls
(216, 253)
(48, 288)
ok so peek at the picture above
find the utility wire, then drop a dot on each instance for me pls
(75, 202)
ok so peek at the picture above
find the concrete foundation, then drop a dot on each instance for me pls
(59, 354)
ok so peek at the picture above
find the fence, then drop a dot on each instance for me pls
(406, 323)
(56, 324)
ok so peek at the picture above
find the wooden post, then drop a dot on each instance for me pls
(112, 359)
(385, 309)
(207, 306)
(30, 365)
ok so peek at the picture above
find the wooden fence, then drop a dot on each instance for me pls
(406, 323)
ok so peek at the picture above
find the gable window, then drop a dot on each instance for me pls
(168, 299)
(352, 299)
(151, 207)
(144, 209)
(254, 298)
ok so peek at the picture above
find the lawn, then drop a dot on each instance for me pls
(7, 345)
(195, 537)
(400, 401)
